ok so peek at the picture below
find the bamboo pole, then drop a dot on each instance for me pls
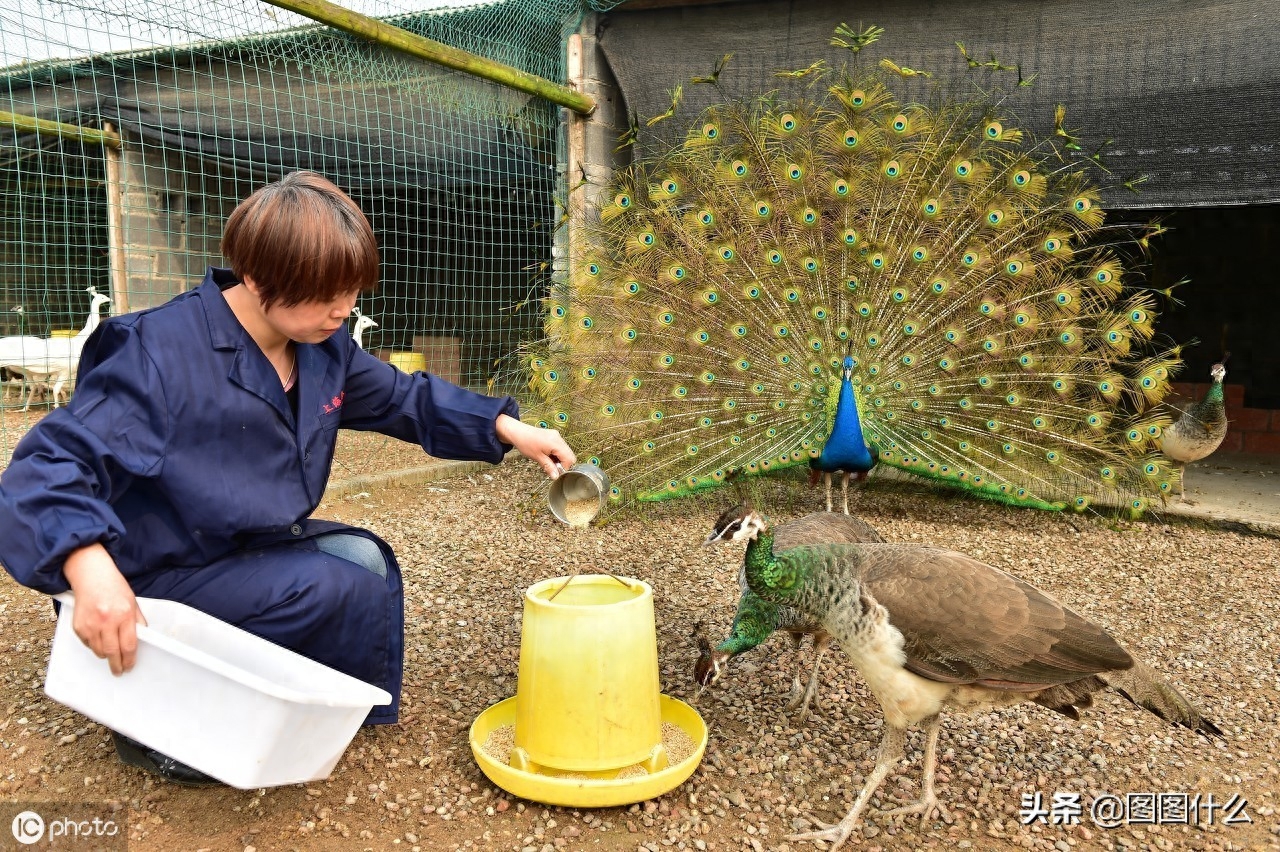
(58, 128)
(115, 231)
(404, 41)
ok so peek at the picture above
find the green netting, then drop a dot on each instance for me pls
(211, 98)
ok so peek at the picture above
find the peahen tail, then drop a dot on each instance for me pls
(912, 285)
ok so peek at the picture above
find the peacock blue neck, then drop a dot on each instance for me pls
(846, 449)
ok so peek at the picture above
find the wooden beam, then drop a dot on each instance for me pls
(31, 124)
(115, 233)
(341, 18)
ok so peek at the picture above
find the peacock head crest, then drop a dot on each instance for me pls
(741, 523)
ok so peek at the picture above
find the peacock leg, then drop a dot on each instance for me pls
(891, 745)
(826, 480)
(820, 643)
(844, 489)
(928, 798)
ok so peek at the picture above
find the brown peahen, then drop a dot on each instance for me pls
(1200, 428)
(933, 630)
(850, 279)
(756, 619)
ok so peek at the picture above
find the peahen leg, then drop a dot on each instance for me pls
(928, 798)
(821, 641)
(890, 753)
(797, 688)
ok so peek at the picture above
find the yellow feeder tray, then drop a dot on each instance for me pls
(598, 789)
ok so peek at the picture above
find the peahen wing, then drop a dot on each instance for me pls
(964, 621)
(995, 345)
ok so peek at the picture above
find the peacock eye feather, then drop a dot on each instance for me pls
(706, 217)
(994, 130)
(930, 208)
(726, 253)
(1020, 178)
(892, 169)
(788, 122)
(963, 169)
(849, 236)
(969, 258)
(840, 188)
(710, 131)
(851, 139)
(628, 334)
(919, 254)
(795, 172)
(740, 168)
(752, 292)
(632, 287)
(708, 377)
(939, 286)
(995, 217)
(634, 383)
(876, 260)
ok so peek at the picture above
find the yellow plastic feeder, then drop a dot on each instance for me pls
(588, 726)
(407, 362)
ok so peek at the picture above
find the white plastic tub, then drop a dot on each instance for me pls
(239, 708)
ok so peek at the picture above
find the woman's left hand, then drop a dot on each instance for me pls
(545, 446)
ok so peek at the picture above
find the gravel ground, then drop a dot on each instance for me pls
(1198, 604)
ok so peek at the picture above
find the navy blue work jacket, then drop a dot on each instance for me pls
(181, 454)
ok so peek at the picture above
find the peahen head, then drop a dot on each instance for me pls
(741, 523)
(1218, 371)
(711, 663)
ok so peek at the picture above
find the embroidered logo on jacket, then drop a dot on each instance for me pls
(334, 404)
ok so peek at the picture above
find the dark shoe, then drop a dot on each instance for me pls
(135, 753)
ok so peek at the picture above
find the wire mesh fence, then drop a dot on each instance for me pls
(129, 131)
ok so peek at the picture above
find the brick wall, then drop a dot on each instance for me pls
(1249, 430)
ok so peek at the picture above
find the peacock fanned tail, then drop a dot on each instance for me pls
(995, 345)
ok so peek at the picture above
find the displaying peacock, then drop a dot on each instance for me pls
(845, 279)
(932, 630)
(757, 619)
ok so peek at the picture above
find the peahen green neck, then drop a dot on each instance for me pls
(768, 576)
(846, 449)
(754, 623)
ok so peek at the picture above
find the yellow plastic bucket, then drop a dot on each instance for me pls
(588, 690)
(408, 362)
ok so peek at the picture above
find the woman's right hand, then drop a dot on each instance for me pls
(106, 611)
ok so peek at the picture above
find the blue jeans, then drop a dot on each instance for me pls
(354, 548)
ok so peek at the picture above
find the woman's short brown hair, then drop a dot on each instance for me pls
(301, 239)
